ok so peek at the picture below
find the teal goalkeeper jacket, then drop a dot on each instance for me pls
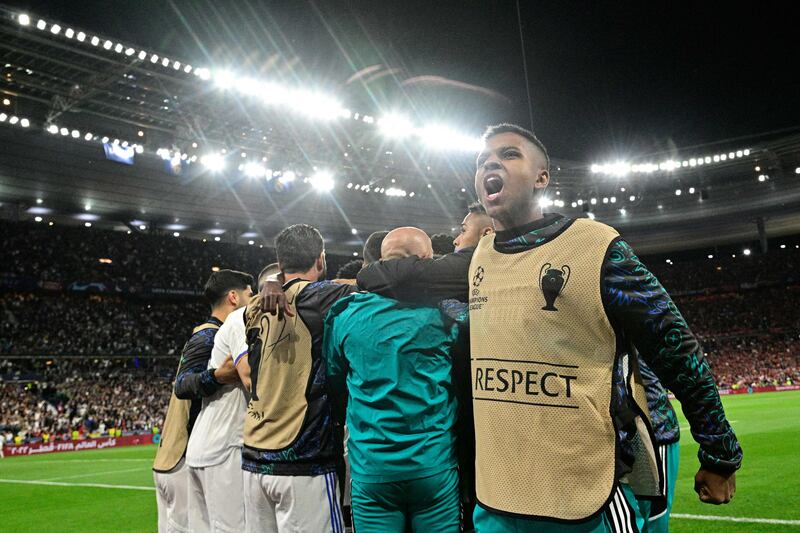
(393, 364)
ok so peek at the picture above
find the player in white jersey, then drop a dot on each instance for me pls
(214, 451)
(194, 381)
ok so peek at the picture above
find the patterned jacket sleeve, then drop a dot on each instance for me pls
(642, 311)
(195, 380)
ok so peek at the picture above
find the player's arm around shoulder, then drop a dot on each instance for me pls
(641, 308)
(193, 381)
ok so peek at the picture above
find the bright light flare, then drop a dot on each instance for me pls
(395, 125)
(213, 162)
(322, 181)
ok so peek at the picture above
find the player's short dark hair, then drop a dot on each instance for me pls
(477, 209)
(372, 246)
(297, 247)
(442, 244)
(223, 281)
(505, 127)
(350, 269)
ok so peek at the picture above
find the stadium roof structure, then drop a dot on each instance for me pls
(215, 152)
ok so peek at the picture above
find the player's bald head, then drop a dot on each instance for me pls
(405, 242)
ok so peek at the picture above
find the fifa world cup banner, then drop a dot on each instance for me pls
(76, 445)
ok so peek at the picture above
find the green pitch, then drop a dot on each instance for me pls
(59, 492)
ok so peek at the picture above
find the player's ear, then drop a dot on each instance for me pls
(233, 298)
(486, 231)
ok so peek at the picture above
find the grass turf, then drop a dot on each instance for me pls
(768, 425)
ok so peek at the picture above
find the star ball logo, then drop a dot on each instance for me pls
(477, 279)
(476, 301)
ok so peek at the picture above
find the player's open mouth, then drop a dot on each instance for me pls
(493, 185)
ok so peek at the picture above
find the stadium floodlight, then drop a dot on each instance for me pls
(75, 134)
(762, 178)
(3, 117)
(739, 153)
(104, 140)
(691, 190)
(154, 58)
(797, 170)
(69, 33)
(605, 199)
(40, 24)
(213, 162)
(203, 73)
(87, 224)
(187, 69)
(631, 198)
(715, 159)
(254, 170)
(52, 128)
(593, 201)
(395, 125)
(176, 65)
(55, 29)
(444, 138)
(678, 192)
(139, 148)
(746, 251)
(707, 159)
(693, 162)
(24, 19)
(613, 199)
(24, 122)
(287, 176)
(95, 40)
(64, 131)
(81, 36)
(13, 120)
(251, 243)
(746, 152)
(176, 234)
(165, 62)
(623, 212)
(129, 51)
(217, 238)
(322, 181)
(394, 191)
(711, 256)
(354, 231)
(108, 44)
(224, 79)
(574, 204)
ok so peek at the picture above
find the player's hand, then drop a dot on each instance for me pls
(713, 487)
(272, 299)
(227, 374)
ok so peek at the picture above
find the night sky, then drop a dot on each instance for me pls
(607, 80)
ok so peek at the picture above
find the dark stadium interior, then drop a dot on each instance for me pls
(137, 159)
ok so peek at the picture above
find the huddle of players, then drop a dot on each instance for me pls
(572, 429)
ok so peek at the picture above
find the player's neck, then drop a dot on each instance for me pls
(311, 274)
(519, 219)
(221, 313)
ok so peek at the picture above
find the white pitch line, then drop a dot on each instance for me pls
(49, 461)
(90, 474)
(61, 484)
(737, 519)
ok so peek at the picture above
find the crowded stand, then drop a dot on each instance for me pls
(740, 309)
(56, 399)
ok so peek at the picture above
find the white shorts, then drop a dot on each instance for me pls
(292, 504)
(216, 496)
(172, 492)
